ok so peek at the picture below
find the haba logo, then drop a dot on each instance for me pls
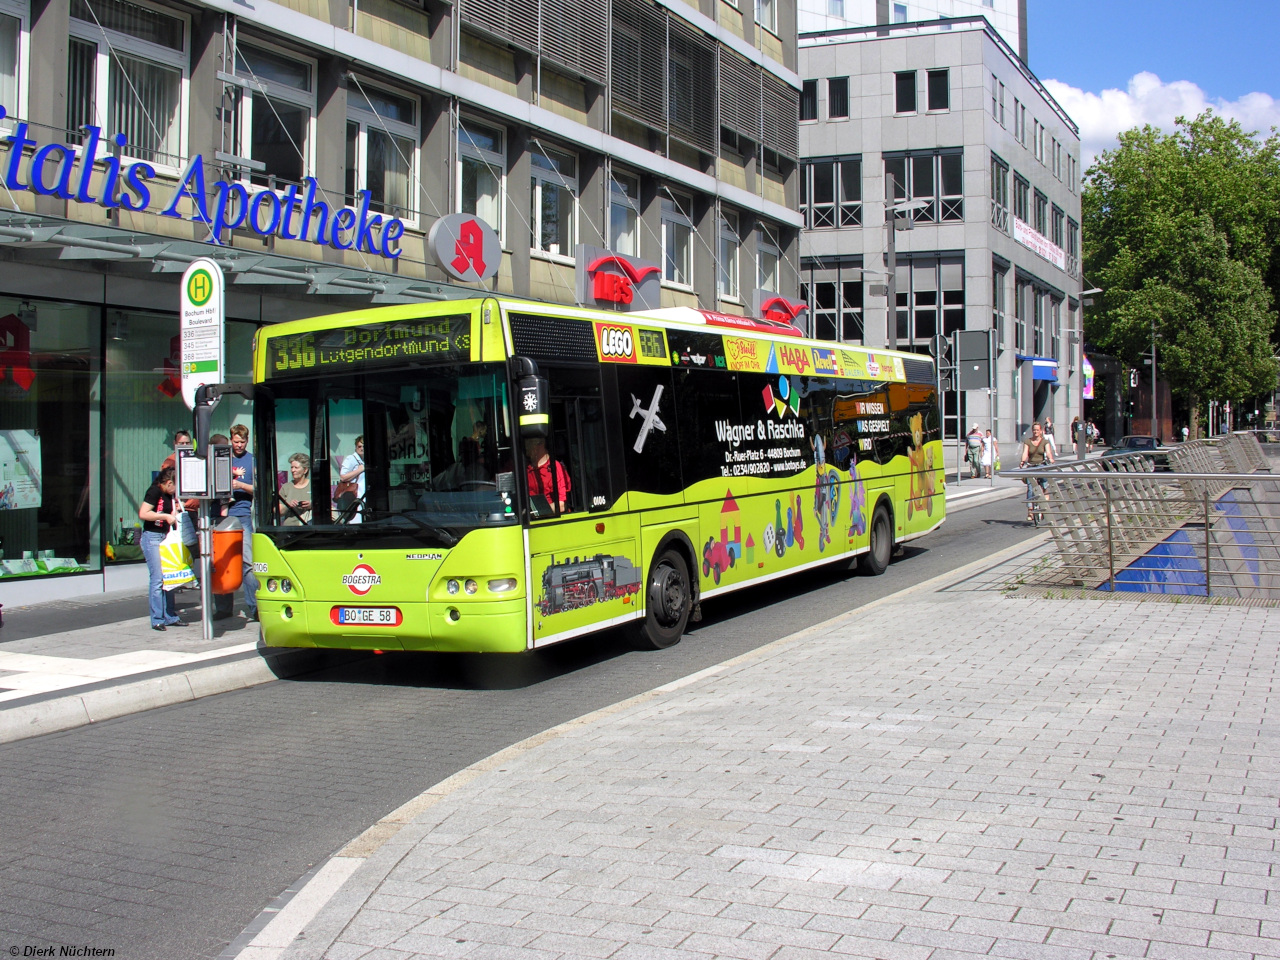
(616, 343)
(362, 579)
(793, 359)
(785, 398)
(824, 361)
(782, 310)
(616, 287)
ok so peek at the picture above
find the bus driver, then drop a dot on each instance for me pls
(547, 478)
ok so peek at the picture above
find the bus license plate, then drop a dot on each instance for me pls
(366, 616)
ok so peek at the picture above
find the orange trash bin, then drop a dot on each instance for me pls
(228, 560)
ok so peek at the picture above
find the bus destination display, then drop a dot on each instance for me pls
(356, 348)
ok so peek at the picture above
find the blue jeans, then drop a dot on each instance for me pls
(164, 608)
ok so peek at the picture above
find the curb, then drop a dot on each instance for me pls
(967, 500)
(111, 699)
(295, 930)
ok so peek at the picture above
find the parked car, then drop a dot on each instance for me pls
(1136, 442)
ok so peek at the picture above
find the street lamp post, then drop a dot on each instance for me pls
(891, 223)
(1155, 419)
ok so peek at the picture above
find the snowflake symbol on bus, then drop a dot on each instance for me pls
(530, 402)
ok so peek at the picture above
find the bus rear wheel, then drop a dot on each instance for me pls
(668, 599)
(880, 550)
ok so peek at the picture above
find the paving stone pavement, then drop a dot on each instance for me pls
(940, 776)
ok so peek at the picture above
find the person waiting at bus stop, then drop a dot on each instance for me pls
(547, 478)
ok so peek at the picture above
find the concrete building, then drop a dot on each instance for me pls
(950, 110)
(1007, 17)
(310, 146)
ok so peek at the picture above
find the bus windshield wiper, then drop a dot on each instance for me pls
(444, 534)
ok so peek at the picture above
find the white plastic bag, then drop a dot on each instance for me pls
(175, 561)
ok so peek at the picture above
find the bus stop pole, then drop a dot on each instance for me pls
(206, 573)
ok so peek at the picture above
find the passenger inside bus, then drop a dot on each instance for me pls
(548, 480)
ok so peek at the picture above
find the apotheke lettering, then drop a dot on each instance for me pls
(59, 169)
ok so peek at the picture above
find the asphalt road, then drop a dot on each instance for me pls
(163, 834)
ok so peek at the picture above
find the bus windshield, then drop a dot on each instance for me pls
(416, 456)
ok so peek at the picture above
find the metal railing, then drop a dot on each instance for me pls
(1194, 519)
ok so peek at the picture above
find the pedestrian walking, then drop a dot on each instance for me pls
(159, 511)
(990, 452)
(1048, 435)
(973, 452)
(242, 509)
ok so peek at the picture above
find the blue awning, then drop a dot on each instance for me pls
(1042, 368)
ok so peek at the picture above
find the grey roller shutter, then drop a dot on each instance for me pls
(575, 35)
(515, 21)
(740, 95)
(638, 83)
(780, 116)
(691, 95)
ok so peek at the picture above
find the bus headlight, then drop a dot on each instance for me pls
(471, 586)
(273, 585)
(452, 586)
(504, 585)
(286, 585)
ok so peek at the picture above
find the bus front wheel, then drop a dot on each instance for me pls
(668, 599)
(880, 549)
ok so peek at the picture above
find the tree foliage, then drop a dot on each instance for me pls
(1180, 231)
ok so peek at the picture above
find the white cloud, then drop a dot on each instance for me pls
(1102, 116)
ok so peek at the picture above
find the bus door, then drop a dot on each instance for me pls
(583, 566)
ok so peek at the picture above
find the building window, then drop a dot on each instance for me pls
(624, 215)
(768, 259)
(930, 298)
(838, 98)
(939, 90)
(998, 278)
(835, 8)
(935, 177)
(1056, 228)
(126, 71)
(904, 92)
(382, 149)
(10, 54)
(274, 127)
(1040, 341)
(831, 193)
(1055, 328)
(999, 194)
(1021, 199)
(834, 296)
(1041, 214)
(730, 245)
(1023, 293)
(1073, 247)
(1039, 141)
(553, 189)
(899, 13)
(997, 100)
(677, 240)
(767, 14)
(1019, 122)
(482, 173)
(809, 100)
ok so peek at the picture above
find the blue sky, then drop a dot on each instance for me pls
(1119, 63)
(1225, 47)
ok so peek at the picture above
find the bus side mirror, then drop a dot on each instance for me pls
(535, 407)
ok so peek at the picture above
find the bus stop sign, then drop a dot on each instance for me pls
(203, 322)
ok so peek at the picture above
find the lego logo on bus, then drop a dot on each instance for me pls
(361, 580)
(616, 342)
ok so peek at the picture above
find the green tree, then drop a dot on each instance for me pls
(1180, 231)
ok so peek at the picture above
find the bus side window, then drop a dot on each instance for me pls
(578, 436)
(649, 429)
(707, 401)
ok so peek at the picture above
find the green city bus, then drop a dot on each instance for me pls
(679, 454)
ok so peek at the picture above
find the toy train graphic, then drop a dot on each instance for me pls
(582, 581)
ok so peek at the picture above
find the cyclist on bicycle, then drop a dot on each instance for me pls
(1037, 450)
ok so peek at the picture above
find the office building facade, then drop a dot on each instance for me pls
(986, 165)
(310, 146)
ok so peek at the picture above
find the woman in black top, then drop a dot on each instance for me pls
(159, 511)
